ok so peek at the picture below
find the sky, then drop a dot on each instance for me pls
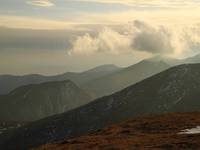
(55, 36)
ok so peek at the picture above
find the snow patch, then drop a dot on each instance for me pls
(191, 131)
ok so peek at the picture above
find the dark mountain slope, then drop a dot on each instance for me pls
(9, 82)
(4, 125)
(33, 102)
(161, 93)
(128, 76)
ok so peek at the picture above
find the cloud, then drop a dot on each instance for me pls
(152, 40)
(175, 40)
(180, 40)
(40, 3)
(140, 37)
(191, 39)
(106, 41)
(88, 12)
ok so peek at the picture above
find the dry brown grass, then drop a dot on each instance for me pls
(143, 133)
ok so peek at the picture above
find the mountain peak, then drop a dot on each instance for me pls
(36, 101)
(106, 67)
(157, 58)
(43, 85)
(169, 60)
(147, 62)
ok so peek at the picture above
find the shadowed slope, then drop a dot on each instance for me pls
(36, 101)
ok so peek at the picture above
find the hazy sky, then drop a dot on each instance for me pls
(54, 36)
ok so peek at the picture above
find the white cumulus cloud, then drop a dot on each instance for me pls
(141, 37)
(152, 39)
(107, 40)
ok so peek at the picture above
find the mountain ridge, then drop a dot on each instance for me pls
(123, 78)
(35, 101)
(156, 94)
(10, 82)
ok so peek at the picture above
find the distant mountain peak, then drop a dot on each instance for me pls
(169, 60)
(157, 58)
(106, 67)
(147, 62)
(125, 77)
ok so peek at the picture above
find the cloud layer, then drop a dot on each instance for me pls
(139, 36)
(135, 37)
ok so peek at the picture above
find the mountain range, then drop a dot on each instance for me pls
(125, 77)
(36, 101)
(94, 80)
(32, 102)
(10, 82)
(175, 89)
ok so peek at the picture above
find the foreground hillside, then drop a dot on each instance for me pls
(145, 133)
(174, 90)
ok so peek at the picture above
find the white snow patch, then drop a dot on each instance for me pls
(191, 131)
